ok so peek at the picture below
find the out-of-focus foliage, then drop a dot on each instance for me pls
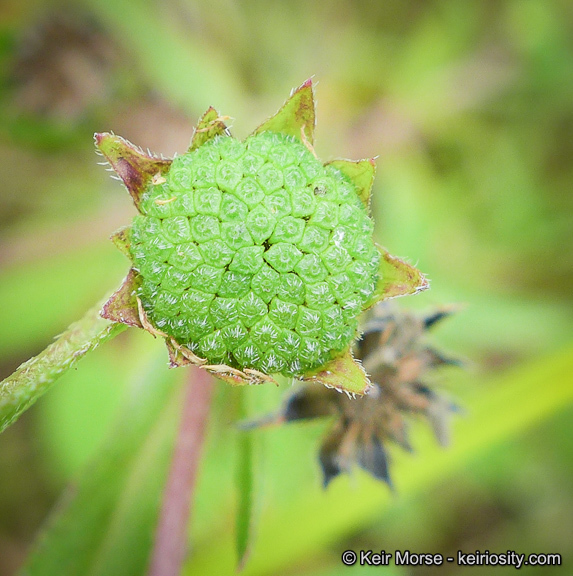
(469, 106)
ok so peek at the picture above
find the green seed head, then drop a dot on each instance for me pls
(252, 258)
(255, 255)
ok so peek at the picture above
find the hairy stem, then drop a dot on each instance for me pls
(170, 545)
(33, 378)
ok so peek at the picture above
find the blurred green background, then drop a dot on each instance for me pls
(469, 108)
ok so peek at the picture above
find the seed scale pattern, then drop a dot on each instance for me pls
(255, 255)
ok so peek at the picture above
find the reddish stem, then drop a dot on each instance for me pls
(170, 546)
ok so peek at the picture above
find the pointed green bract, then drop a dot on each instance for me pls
(361, 173)
(344, 373)
(210, 125)
(176, 358)
(231, 379)
(236, 377)
(122, 306)
(396, 278)
(296, 117)
(130, 163)
(121, 240)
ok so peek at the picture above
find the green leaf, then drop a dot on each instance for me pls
(33, 378)
(296, 117)
(361, 173)
(210, 125)
(396, 278)
(344, 373)
(245, 487)
(105, 521)
(130, 163)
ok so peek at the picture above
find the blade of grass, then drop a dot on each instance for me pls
(245, 487)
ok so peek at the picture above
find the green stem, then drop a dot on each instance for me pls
(171, 535)
(33, 378)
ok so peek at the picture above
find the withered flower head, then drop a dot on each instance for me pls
(395, 354)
